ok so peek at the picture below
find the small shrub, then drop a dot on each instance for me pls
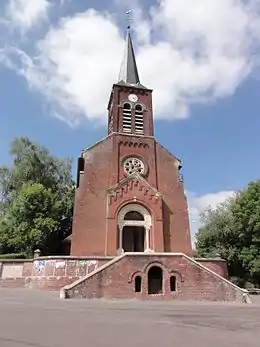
(13, 256)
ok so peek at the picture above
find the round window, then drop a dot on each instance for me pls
(132, 165)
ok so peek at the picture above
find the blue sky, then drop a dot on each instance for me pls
(56, 75)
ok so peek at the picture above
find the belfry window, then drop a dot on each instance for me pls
(139, 119)
(127, 119)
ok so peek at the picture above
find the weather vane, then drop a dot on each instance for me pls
(129, 18)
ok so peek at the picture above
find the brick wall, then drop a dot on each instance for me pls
(13, 272)
(219, 266)
(175, 207)
(193, 281)
(47, 273)
(117, 280)
(89, 220)
(52, 273)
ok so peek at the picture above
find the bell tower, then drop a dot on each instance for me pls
(130, 104)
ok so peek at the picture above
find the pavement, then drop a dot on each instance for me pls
(40, 319)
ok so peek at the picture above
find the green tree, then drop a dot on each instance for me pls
(233, 231)
(37, 195)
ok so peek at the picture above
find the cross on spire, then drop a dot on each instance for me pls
(129, 18)
(129, 73)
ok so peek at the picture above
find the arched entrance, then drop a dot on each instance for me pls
(134, 223)
(133, 235)
(155, 280)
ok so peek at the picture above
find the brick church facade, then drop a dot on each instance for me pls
(130, 197)
(131, 216)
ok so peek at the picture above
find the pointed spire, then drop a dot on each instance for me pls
(128, 72)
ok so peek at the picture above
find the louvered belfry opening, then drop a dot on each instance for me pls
(139, 120)
(127, 118)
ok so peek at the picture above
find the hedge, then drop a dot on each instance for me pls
(13, 256)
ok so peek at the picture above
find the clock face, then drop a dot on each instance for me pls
(133, 98)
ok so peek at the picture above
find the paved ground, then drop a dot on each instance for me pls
(39, 319)
(255, 299)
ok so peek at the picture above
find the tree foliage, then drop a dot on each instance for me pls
(232, 230)
(36, 199)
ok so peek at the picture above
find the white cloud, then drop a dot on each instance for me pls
(77, 64)
(187, 51)
(198, 204)
(26, 13)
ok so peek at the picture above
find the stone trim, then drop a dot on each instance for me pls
(135, 135)
(146, 223)
(210, 259)
(138, 208)
(72, 257)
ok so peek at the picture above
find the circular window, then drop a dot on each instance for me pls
(132, 165)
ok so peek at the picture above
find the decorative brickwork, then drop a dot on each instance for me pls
(134, 184)
(136, 144)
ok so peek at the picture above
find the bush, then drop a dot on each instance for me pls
(13, 256)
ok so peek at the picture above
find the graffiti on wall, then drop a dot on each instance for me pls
(39, 265)
(60, 264)
(89, 265)
(80, 268)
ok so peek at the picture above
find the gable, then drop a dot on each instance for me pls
(168, 153)
(133, 186)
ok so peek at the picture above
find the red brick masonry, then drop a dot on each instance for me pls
(96, 277)
(194, 281)
(47, 273)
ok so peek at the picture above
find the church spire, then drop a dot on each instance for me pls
(128, 72)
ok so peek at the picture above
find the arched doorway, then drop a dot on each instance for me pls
(133, 235)
(134, 223)
(155, 280)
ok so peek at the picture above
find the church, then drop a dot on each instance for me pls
(130, 195)
(131, 211)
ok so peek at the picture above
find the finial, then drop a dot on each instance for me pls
(129, 18)
(128, 72)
